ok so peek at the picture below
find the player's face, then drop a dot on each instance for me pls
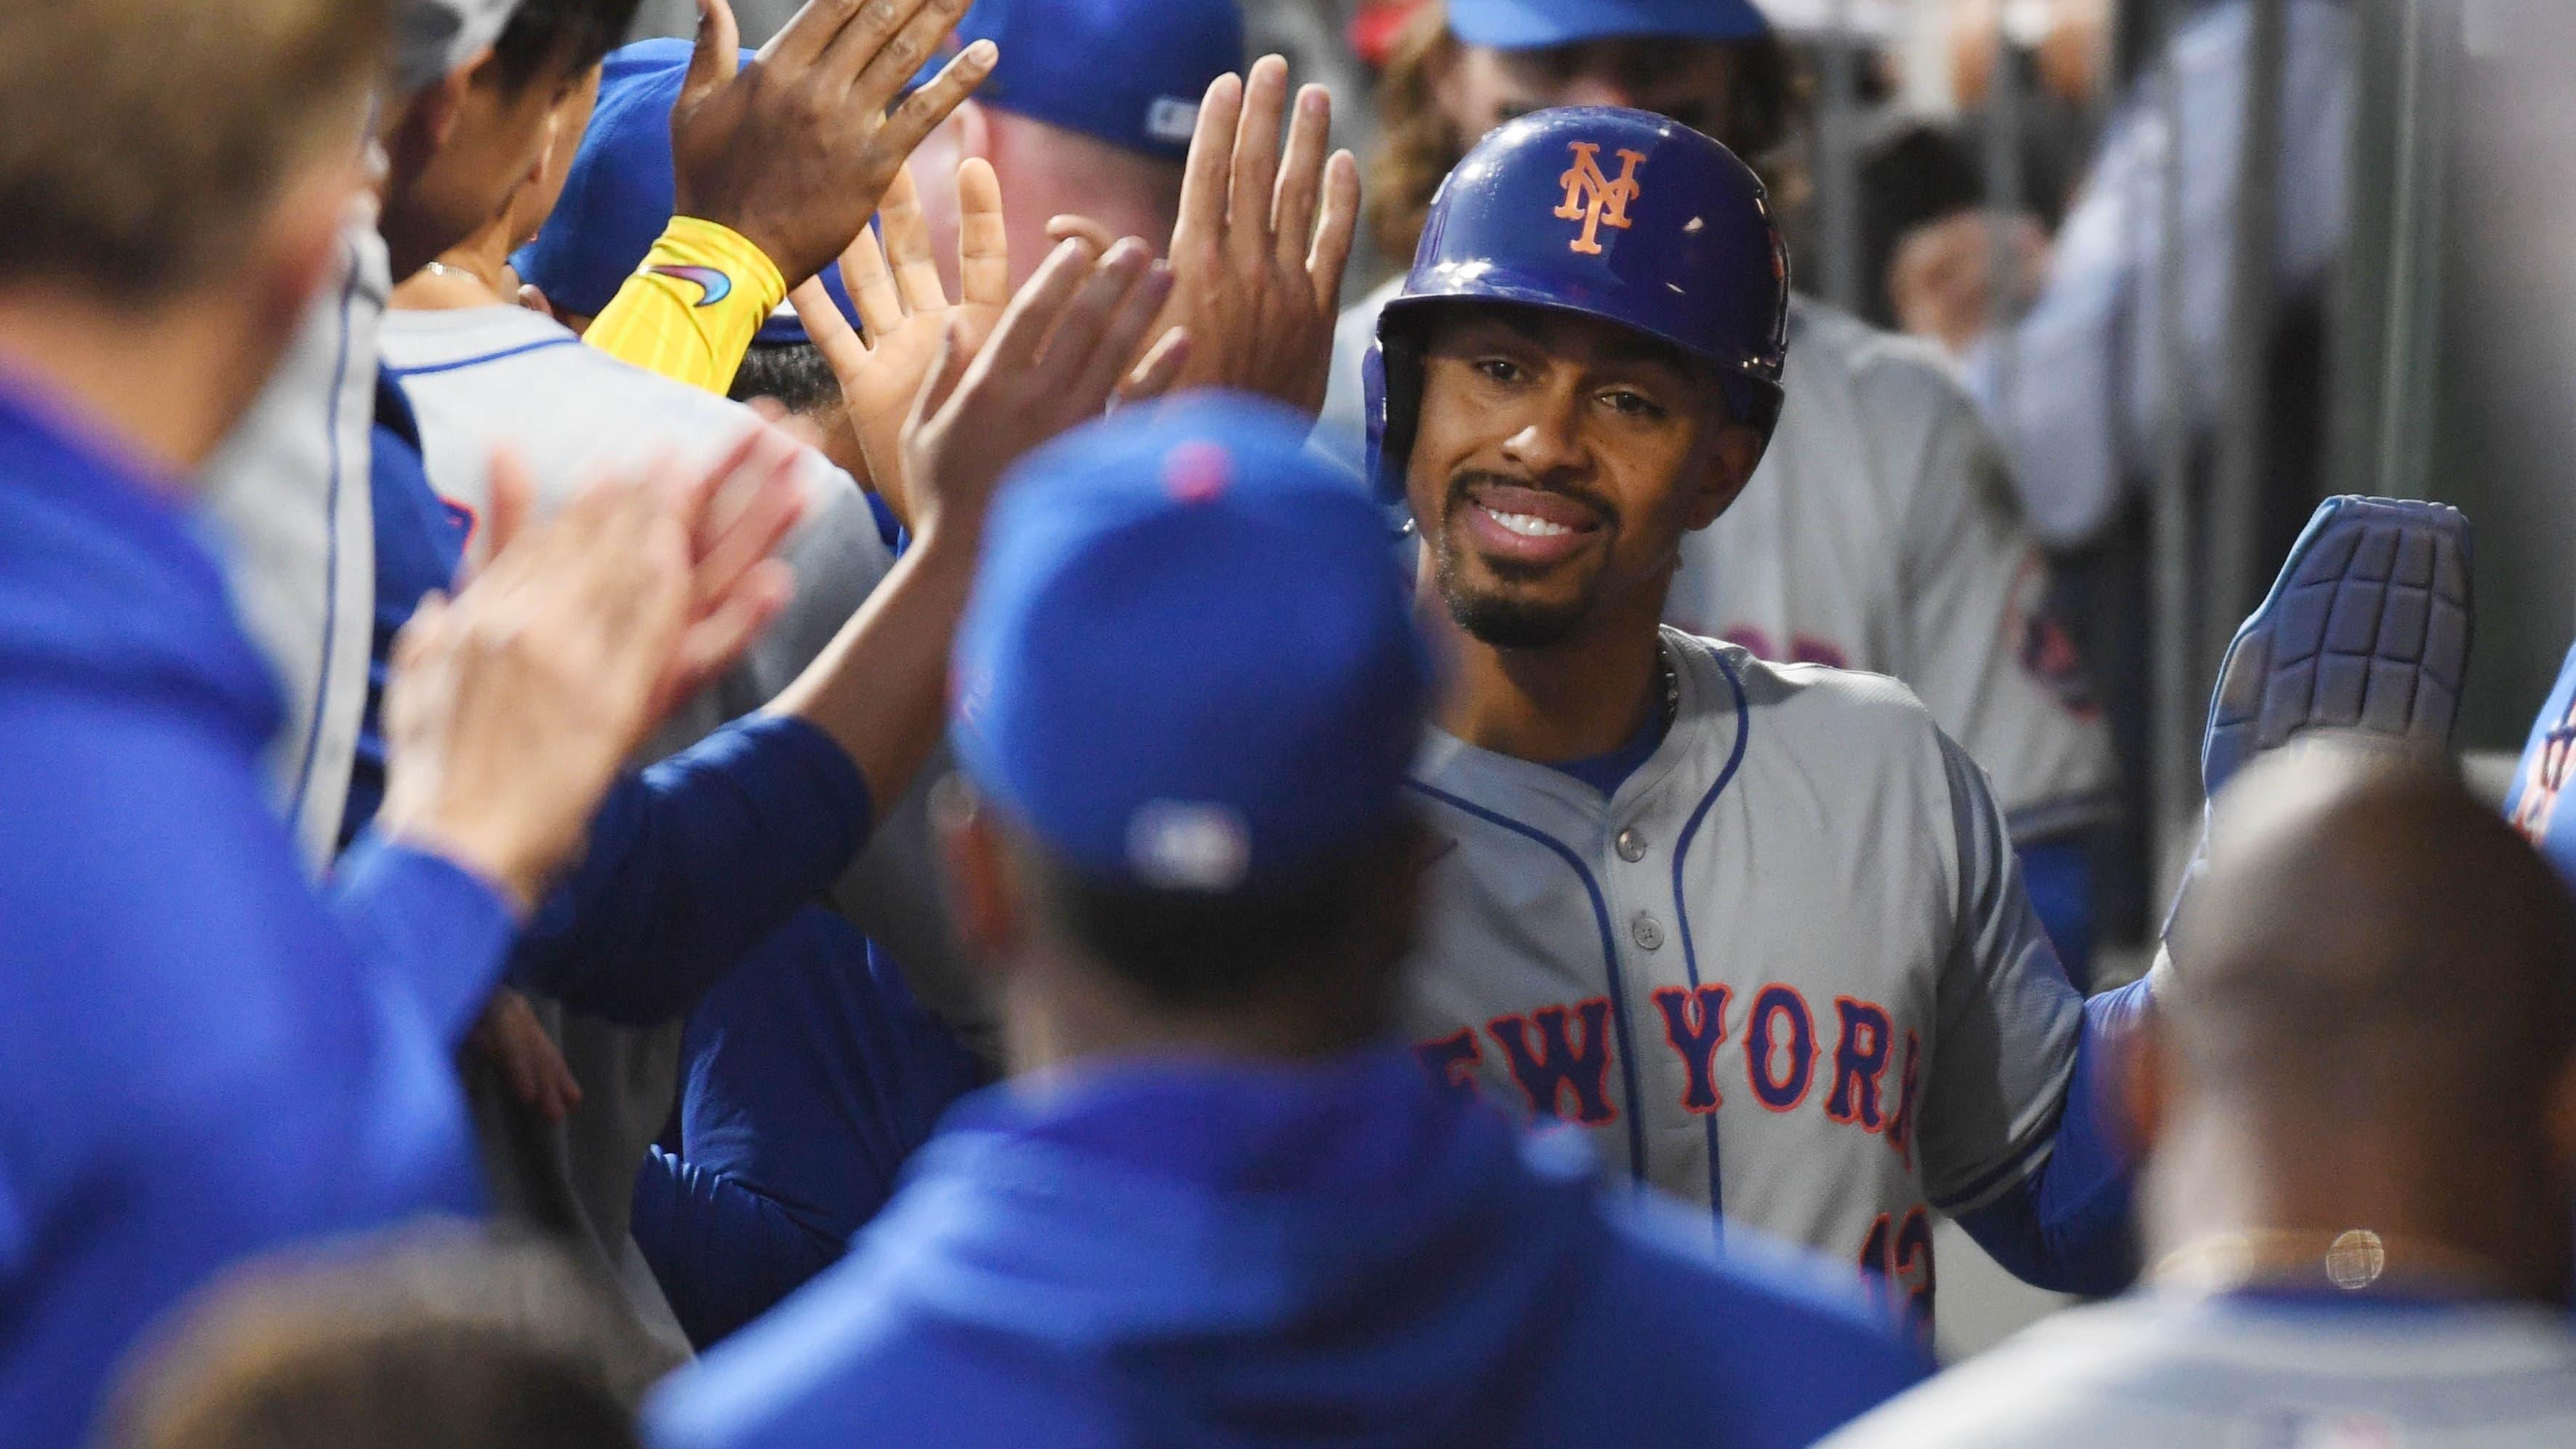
(1690, 81)
(1557, 463)
(536, 200)
(458, 154)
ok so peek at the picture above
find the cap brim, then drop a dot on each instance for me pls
(1538, 24)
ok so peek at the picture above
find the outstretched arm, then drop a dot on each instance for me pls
(709, 850)
(2014, 1139)
(2066, 1226)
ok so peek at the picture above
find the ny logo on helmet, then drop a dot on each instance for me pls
(1593, 197)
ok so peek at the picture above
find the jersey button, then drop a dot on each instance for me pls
(1632, 846)
(1646, 933)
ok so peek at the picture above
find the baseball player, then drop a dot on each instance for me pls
(2353, 1103)
(1882, 531)
(480, 374)
(291, 488)
(1758, 926)
(202, 1057)
(1220, 1204)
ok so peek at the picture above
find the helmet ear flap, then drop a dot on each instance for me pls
(1391, 380)
(1757, 405)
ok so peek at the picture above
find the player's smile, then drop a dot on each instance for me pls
(1527, 530)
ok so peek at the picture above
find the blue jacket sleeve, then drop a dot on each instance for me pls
(2066, 1226)
(424, 921)
(690, 864)
(811, 1077)
(198, 1064)
(723, 1252)
(2058, 873)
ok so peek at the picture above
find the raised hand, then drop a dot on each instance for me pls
(513, 705)
(1059, 353)
(905, 309)
(738, 511)
(1258, 267)
(1054, 358)
(793, 148)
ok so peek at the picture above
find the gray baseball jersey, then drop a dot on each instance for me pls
(2152, 1370)
(287, 493)
(1881, 532)
(1787, 970)
(483, 377)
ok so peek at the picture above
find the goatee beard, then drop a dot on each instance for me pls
(1504, 623)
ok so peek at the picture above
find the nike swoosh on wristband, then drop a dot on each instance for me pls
(716, 285)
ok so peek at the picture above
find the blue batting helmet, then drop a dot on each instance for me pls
(1610, 213)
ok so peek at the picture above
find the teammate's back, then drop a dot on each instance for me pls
(2353, 1102)
(2165, 1369)
(1237, 1254)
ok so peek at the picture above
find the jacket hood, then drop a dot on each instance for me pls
(1266, 1254)
(106, 586)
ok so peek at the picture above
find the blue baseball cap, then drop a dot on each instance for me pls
(617, 197)
(1128, 72)
(1537, 24)
(1189, 662)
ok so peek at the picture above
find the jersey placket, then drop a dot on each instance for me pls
(1647, 876)
(1632, 871)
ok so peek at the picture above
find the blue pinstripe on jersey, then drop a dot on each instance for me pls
(1609, 960)
(1681, 904)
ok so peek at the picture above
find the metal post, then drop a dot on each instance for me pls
(2417, 205)
(1838, 161)
(2253, 318)
(2007, 196)
(2388, 305)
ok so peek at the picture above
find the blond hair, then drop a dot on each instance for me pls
(140, 139)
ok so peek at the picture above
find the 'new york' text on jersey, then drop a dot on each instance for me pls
(1788, 970)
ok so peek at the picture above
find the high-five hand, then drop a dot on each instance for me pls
(793, 148)
(905, 309)
(1059, 353)
(1258, 269)
(1054, 358)
(515, 704)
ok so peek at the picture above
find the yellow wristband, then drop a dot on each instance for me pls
(691, 310)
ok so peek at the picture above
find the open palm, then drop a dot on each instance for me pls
(906, 312)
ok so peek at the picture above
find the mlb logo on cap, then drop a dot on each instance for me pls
(1189, 845)
(1128, 72)
(1171, 120)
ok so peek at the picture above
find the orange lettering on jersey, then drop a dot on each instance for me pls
(1559, 1065)
(1593, 198)
(1897, 1262)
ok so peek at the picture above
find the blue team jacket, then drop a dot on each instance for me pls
(197, 1061)
(1206, 1253)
